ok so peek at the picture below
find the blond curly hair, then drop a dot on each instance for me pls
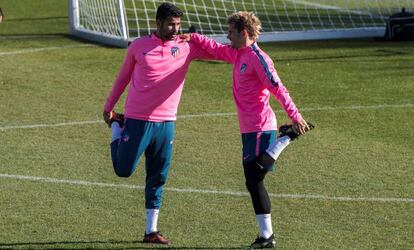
(244, 20)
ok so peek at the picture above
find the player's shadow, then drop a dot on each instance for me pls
(33, 19)
(51, 36)
(17, 36)
(94, 245)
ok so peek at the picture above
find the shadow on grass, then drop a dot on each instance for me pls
(32, 35)
(51, 36)
(110, 244)
(32, 19)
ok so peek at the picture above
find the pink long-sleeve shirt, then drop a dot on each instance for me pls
(254, 78)
(156, 72)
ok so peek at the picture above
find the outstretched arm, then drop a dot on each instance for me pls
(217, 50)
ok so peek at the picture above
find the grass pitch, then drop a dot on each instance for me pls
(346, 185)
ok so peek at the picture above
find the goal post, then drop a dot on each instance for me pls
(99, 21)
(116, 22)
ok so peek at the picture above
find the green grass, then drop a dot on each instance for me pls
(362, 147)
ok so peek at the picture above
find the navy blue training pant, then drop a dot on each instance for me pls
(156, 140)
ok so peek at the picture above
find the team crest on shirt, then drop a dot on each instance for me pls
(243, 68)
(175, 51)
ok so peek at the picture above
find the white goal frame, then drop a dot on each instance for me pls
(75, 29)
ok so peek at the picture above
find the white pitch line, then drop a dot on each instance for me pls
(206, 191)
(50, 125)
(25, 51)
(353, 107)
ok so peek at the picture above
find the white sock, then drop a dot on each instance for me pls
(278, 146)
(116, 131)
(152, 220)
(265, 225)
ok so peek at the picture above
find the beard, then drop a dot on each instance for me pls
(170, 36)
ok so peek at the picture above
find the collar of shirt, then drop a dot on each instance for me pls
(154, 37)
(247, 48)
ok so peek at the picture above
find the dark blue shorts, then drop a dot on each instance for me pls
(254, 144)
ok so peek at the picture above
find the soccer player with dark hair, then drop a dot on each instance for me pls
(254, 79)
(155, 68)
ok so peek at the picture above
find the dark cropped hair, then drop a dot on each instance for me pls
(166, 10)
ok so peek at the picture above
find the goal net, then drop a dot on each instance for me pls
(115, 22)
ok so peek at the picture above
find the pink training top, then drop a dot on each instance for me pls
(254, 75)
(156, 71)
